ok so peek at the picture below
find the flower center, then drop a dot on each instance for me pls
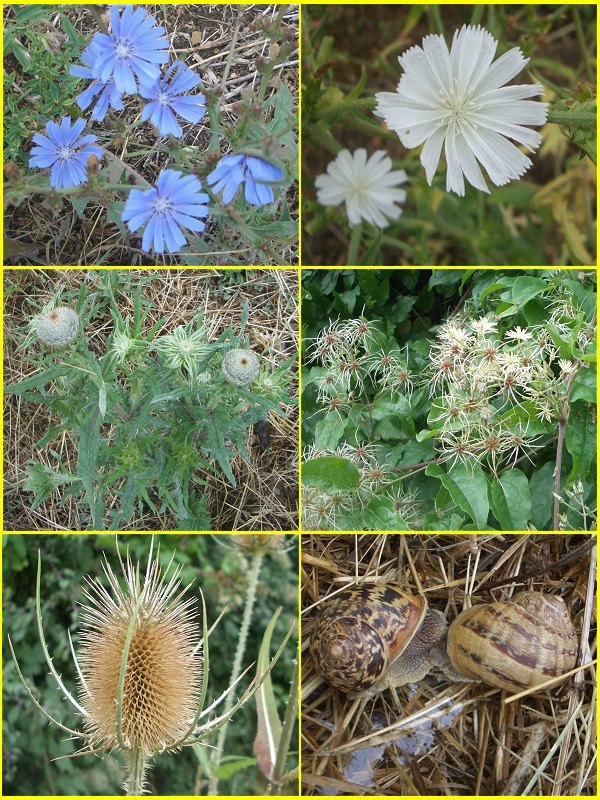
(359, 187)
(162, 98)
(458, 106)
(163, 206)
(65, 153)
(123, 49)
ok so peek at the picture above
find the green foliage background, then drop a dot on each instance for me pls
(30, 744)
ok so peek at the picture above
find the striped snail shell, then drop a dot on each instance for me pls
(359, 633)
(516, 644)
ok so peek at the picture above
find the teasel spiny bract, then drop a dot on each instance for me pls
(141, 668)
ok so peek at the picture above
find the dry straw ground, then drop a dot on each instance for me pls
(440, 737)
(266, 497)
(221, 43)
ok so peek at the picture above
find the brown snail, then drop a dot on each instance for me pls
(513, 645)
(372, 637)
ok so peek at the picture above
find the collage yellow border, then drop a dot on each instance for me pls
(299, 268)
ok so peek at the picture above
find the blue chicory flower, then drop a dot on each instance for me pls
(108, 92)
(65, 152)
(165, 96)
(133, 49)
(177, 200)
(232, 171)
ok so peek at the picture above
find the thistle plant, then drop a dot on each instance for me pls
(143, 668)
(503, 387)
(154, 409)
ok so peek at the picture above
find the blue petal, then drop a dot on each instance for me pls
(264, 171)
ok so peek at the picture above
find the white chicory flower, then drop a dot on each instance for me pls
(458, 99)
(368, 187)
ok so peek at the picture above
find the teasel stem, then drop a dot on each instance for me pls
(253, 574)
(136, 767)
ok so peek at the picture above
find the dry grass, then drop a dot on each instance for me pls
(204, 36)
(440, 737)
(266, 497)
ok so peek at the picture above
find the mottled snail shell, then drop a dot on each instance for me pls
(516, 644)
(360, 632)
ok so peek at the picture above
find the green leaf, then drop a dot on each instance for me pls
(87, 461)
(564, 347)
(584, 385)
(427, 434)
(372, 255)
(39, 380)
(541, 487)
(580, 439)
(274, 230)
(467, 487)
(510, 500)
(432, 521)
(79, 204)
(216, 445)
(232, 764)
(128, 498)
(328, 432)
(380, 515)
(268, 732)
(525, 288)
(330, 473)
(69, 29)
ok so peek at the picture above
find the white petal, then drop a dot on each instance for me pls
(500, 158)
(509, 94)
(454, 173)
(531, 139)
(472, 53)
(502, 70)
(469, 165)
(438, 62)
(430, 157)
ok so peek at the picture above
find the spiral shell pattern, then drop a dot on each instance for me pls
(357, 634)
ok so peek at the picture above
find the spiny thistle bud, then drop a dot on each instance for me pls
(240, 367)
(163, 672)
(58, 327)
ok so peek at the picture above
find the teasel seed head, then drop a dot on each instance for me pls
(163, 673)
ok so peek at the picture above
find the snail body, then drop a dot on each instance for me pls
(516, 644)
(372, 637)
